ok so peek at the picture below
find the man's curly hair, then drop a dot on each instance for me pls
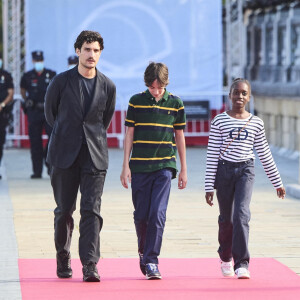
(89, 37)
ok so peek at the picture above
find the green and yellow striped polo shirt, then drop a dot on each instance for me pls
(154, 146)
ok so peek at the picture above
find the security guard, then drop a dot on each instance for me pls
(34, 84)
(6, 96)
(72, 61)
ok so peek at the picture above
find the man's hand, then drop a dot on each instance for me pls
(125, 176)
(182, 180)
(209, 196)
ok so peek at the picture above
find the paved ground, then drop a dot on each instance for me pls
(26, 217)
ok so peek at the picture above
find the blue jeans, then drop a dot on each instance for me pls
(234, 185)
(150, 196)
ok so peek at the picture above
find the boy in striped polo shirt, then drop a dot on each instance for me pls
(152, 119)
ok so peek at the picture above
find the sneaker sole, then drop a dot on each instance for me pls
(228, 275)
(244, 277)
(153, 277)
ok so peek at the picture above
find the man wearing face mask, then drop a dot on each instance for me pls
(34, 84)
(72, 61)
(6, 96)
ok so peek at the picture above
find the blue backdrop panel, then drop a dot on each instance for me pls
(184, 34)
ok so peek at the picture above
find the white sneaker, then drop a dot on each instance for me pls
(227, 268)
(242, 273)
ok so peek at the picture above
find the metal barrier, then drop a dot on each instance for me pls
(196, 132)
(17, 130)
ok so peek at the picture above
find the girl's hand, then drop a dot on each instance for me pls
(281, 192)
(209, 198)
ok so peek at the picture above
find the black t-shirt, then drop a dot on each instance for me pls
(87, 87)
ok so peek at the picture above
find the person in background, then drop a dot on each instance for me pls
(230, 170)
(79, 105)
(6, 97)
(150, 147)
(34, 84)
(72, 61)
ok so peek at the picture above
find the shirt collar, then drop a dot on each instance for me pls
(164, 97)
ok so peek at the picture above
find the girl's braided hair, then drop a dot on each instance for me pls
(237, 80)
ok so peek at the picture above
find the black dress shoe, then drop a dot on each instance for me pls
(35, 176)
(63, 266)
(90, 272)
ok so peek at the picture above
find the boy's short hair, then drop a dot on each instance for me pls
(89, 37)
(156, 71)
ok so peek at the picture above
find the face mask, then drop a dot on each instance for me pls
(72, 66)
(1, 63)
(39, 66)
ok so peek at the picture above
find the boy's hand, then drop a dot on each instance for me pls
(182, 180)
(281, 192)
(209, 196)
(125, 176)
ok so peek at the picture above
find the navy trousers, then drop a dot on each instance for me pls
(65, 182)
(234, 185)
(150, 196)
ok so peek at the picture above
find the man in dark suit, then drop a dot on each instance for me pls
(79, 105)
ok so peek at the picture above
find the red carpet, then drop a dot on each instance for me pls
(186, 279)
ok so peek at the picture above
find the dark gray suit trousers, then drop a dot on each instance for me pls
(65, 182)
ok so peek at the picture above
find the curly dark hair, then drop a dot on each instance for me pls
(157, 71)
(89, 37)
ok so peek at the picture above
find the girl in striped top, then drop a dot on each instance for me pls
(230, 170)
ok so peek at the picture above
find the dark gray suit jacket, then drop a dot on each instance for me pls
(64, 111)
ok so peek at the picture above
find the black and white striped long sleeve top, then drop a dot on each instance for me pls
(225, 128)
